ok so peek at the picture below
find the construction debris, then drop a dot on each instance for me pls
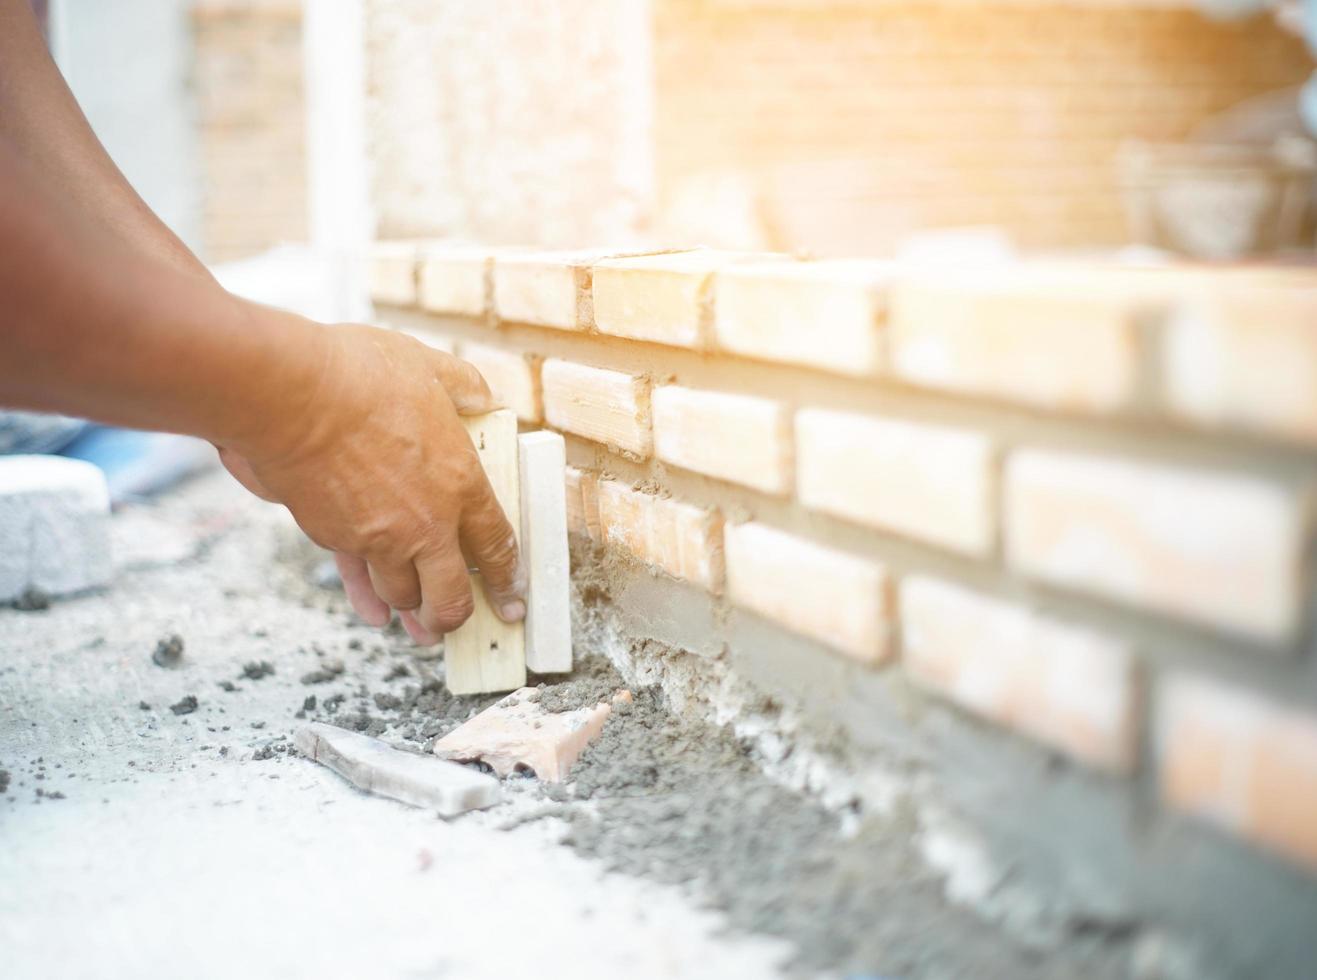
(417, 780)
(168, 651)
(519, 735)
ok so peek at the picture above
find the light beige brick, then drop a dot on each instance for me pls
(583, 504)
(548, 289)
(827, 595)
(1044, 337)
(661, 298)
(573, 478)
(1242, 353)
(392, 272)
(1215, 547)
(739, 438)
(455, 279)
(825, 315)
(681, 539)
(1244, 763)
(1065, 686)
(611, 407)
(513, 377)
(924, 481)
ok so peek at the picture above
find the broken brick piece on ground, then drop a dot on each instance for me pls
(418, 780)
(517, 734)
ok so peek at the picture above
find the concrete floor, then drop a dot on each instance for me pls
(169, 856)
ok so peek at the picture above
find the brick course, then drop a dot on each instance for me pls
(1128, 445)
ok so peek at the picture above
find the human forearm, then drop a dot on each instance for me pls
(91, 328)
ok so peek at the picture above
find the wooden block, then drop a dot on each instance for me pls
(516, 735)
(512, 376)
(486, 654)
(830, 596)
(590, 506)
(417, 780)
(611, 407)
(739, 438)
(929, 482)
(544, 552)
(681, 539)
(825, 315)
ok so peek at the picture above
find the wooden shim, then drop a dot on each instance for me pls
(486, 654)
(544, 552)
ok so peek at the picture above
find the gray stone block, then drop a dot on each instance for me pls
(54, 526)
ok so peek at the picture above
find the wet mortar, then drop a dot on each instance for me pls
(657, 796)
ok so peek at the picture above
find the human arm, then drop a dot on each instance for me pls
(355, 429)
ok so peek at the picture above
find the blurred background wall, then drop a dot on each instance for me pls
(831, 126)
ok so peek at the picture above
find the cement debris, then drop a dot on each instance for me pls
(254, 670)
(185, 706)
(325, 673)
(417, 780)
(168, 651)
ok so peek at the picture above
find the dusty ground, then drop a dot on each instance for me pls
(148, 834)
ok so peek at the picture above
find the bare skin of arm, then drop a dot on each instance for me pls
(107, 315)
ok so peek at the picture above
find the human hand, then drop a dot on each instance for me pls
(375, 466)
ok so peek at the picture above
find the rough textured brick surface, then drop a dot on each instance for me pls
(574, 501)
(740, 438)
(54, 526)
(455, 279)
(1068, 687)
(838, 599)
(819, 314)
(1065, 341)
(513, 377)
(681, 539)
(611, 407)
(548, 289)
(1244, 763)
(923, 481)
(392, 272)
(1243, 354)
(1216, 547)
(660, 298)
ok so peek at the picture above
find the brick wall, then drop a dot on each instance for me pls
(842, 126)
(1071, 505)
(251, 117)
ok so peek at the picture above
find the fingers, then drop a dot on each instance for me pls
(464, 384)
(395, 582)
(488, 538)
(242, 471)
(421, 636)
(361, 594)
(446, 587)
